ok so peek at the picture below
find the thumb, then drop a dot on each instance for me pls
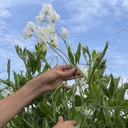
(60, 119)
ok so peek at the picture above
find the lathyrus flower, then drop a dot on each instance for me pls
(64, 32)
(47, 8)
(41, 17)
(54, 16)
(27, 32)
(51, 27)
(42, 34)
(54, 41)
(83, 80)
(31, 26)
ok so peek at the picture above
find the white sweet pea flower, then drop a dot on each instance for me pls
(26, 34)
(85, 71)
(41, 40)
(40, 17)
(47, 8)
(64, 32)
(31, 26)
(43, 47)
(51, 27)
(54, 41)
(43, 32)
(54, 16)
(83, 80)
(88, 112)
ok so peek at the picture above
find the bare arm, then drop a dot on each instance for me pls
(12, 104)
(48, 81)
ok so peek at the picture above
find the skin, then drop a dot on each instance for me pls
(65, 124)
(45, 82)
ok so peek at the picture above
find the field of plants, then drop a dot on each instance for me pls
(97, 100)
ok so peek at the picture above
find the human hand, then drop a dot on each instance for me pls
(51, 79)
(65, 124)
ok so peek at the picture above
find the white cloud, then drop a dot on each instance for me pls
(3, 26)
(116, 62)
(83, 15)
(7, 51)
(4, 13)
(125, 4)
(90, 13)
(5, 5)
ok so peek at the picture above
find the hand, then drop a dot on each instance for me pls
(51, 79)
(65, 124)
(47, 81)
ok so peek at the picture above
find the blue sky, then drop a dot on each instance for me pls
(91, 22)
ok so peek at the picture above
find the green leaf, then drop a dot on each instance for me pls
(112, 86)
(123, 105)
(105, 90)
(16, 78)
(8, 68)
(94, 90)
(121, 92)
(57, 91)
(70, 54)
(78, 101)
(46, 67)
(94, 54)
(45, 108)
(78, 53)
(31, 62)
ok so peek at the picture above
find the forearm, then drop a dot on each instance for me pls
(12, 104)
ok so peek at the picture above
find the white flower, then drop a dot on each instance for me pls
(85, 72)
(40, 17)
(51, 27)
(43, 32)
(54, 16)
(30, 26)
(88, 112)
(47, 8)
(41, 39)
(26, 34)
(64, 32)
(54, 41)
(43, 47)
(83, 80)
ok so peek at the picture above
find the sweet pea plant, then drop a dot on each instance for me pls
(96, 100)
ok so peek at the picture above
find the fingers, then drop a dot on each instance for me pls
(66, 67)
(67, 86)
(70, 122)
(74, 123)
(63, 67)
(67, 74)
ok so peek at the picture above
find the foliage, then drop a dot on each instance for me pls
(95, 101)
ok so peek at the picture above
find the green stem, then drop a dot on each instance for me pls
(103, 115)
(62, 38)
(93, 119)
(95, 66)
(8, 69)
(59, 55)
(64, 54)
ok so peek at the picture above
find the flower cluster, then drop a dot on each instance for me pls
(46, 32)
(83, 80)
(30, 27)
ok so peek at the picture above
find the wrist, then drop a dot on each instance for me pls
(36, 87)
